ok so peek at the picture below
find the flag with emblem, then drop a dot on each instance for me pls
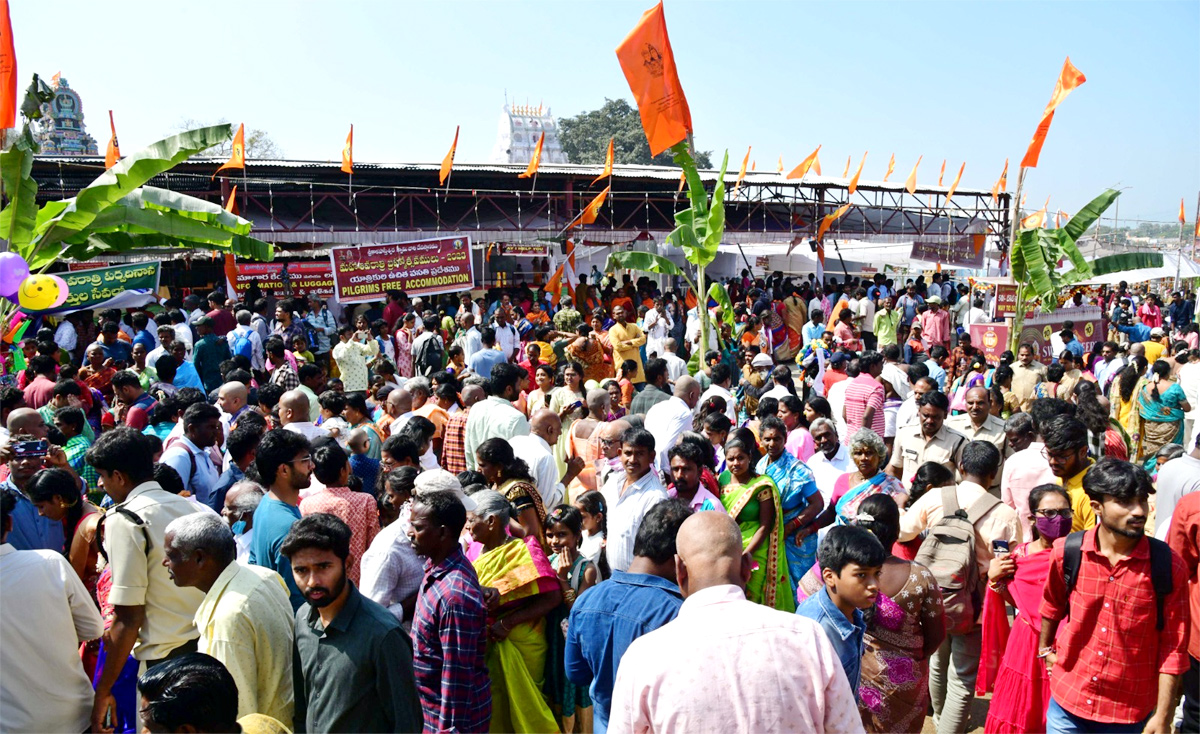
(649, 65)
(237, 157)
(348, 153)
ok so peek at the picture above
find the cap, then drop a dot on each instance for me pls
(762, 360)
(934, 299)
(1157, 331)
(838, 358)
(440, 480)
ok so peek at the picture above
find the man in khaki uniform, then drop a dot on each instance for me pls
(1027, 373)
(978, 424)
(929, 440)
(625, 338)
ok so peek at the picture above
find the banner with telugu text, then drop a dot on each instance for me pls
(419, 268)
(284, 278)
(119, 286)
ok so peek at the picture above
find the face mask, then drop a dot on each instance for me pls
(238, 527)
(1052, 528)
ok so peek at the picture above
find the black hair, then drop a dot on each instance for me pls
(743, 438)
(721, 373)
(718, 422)
(846, 544)
(1162, 370)
(402, 446)
(656, 368)
(66, 388)
(71, 416)
(308, 371)
(869, 359)
(1088, 408)
(500, 452)
(123, 449)
(885, 519)
(277, 448)
(505, 375)
(708, 457)
(354, 400)
(125, 378)
(194, 689)
(47, 484)
(1035, 498)
(1120, 480)
(445, 508)
(980, 459)
(269, 395)
(402, 479)
(772, 423)
(820, 406)
(241, 441)
(1063, 433)
(656, 535)
(319, 530)
(1128, 379)
(333, 401)
(328, 462)
(8, 503)
(691, 451)
(767, 407)
(929, 475)
(629, 366)
(934, 399)
(200, 412)
(569, 516)
(917, 372)
(638, 437)
(168, 478)
(420, 428)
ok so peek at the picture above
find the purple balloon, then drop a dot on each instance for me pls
(13, 270)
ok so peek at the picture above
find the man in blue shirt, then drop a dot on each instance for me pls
(285, 460)
(115, 349)
(30, 531)
(937, 354)
(1136, 332)
(482, 362)
(611, 615)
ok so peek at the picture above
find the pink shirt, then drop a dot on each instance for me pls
(800, 443)
(935, 327)
(698, 501)
(1022, 472)
(862, 392)
(356, 509)
(727, 664)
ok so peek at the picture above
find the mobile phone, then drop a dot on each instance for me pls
(999, 546)
(31, 449)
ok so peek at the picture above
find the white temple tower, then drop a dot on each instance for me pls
(518, 133)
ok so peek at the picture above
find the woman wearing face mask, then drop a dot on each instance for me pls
(1013, 670)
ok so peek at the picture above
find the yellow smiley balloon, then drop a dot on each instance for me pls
(39, 292)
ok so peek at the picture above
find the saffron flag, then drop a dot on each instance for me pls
(1001, 183)
(891, 167)
(649, 65)
(1182, 216)
(348, 153)
(554, 285)
(942, 173)
(536, 160)
(230, 261)
(842, 302)
(816, 167)
(593, 209)
(780, 168)
(806, 165)
(911, 184)
(1068, 79)
(682, 179)
(608, 163)
(742, 173)
(753, 165)
(231, 205)
(113, 153)
(8, 71)
(953, 186)
(828, 220)
(846, 173)
(237, 158)
(1035, 220)
(448, 161)
(854, 181)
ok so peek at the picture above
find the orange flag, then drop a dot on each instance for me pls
(954, 185)
(806, 165)
(8, 71)
(237, 159)
(742, 173)
(113, 153)
(608, 163)
(448, 161)
(942, 173)
(753, 165)
(649, 65)
(554, 285)
(911, 184)
(348, 153)
(780, 169)
(846, 173)
(816, 167)
(891, 167)
(1037, 219)
(682, 179)
(1001, 183)
(536, 160)
(593, 209)
(1068, 79)
(231, 205)
(828, 220)
(1182, 216)
(854, 181)
(690, 299)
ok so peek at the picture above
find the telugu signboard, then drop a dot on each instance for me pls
(419, 268)
(963, 252)
(1006, 301)
(120, 286)
(314, 278)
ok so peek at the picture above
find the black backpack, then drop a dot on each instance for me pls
(1160, 569)
(429, 357)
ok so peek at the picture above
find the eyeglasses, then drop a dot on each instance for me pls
(608, 441)
(302, 460)
(1058, 455)
(1067, 513)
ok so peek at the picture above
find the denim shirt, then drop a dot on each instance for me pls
(846, 638)
(604, 621)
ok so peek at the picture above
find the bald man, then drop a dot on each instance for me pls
(760, 669)
(293, 414)
(232, 399)
(537, 450)
(670, 418)
(609, 464)
(398, 405)
(454, 435)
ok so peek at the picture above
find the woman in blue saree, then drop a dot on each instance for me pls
(1161, 405)
(800, 499)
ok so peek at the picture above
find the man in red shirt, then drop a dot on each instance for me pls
(1111, 665)
(223, 319)
(1184, 538)
(864, 396)
(40, 389)
(835, 371)
(935, 324)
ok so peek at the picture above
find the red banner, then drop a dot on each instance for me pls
(313, 278)
(423, 267)
(1006, 301)
(89, 265)
(1088, 325)
(991, 339)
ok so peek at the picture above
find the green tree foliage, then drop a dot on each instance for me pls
(585, 137)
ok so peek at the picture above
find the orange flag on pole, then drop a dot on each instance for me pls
(348, 153)
(846, 173)
(231, 205)
(911, 184)
(1001, 183)
(806, 165)
(742, 173)
(854, 181)
(953, 186)
(753, 165)
(608, 163)
(816, 167)
(113, 153)
(8, 71)
(1182, 216)
(536, 160)
(593, 209)
(780, 168)
(448, 161)
(649, 65)
(891, 167)
(1037, 219)
(828, 220)
(942, 173)
(237, 158)
(1068, 79)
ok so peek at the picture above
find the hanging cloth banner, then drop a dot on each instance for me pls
(120, 286)
(419, 268)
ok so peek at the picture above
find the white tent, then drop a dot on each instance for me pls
(1174, 263)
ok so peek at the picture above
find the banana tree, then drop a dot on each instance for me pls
(116, 212)
(1035, 255)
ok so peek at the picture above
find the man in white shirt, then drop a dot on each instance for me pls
(907, 414)
(1110, 365)
(537, 449)
(507, 338)
(973, 315)
(243, 333)
(670, 418)
(676, 367)
(779, 376)
(864, 318)
(238, 513)
(65, 335)
(692, 332)
(398, 405)
(725, 664)
(496, 417)
(657, 324)
(293, 416)
(472, 341)
(722, 378)
(45, 613)
(830, 460)
(166, 337)
(629, 496)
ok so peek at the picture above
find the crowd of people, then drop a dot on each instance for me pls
(824, 511)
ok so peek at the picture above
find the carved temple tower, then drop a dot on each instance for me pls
(62, 131)
(520, 128)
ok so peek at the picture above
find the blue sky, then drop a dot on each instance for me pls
(954, 80)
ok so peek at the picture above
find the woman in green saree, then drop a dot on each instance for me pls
(520, 587)
(753, 501)
(1161, 405)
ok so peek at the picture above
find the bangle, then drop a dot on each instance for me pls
(1045, 651)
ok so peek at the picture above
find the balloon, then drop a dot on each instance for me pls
(42, 292)
(13, 270)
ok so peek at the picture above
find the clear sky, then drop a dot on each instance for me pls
(949, 80)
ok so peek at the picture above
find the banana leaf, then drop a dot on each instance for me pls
(716, 220)
(103, 243)
(18, 219)
(1029, 264)
(150, 197)
(1088, 215)
(1126, 261)
(721, 296)
(644, 262)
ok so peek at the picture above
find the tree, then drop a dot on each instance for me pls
(259, 144)
(585, 137)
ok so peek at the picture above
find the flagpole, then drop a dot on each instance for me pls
(1014, 222)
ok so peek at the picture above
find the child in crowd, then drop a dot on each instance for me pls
(576, 574)
(300, 350)
(851, 559)
(628, 370)
(332, 404)
(593, 513)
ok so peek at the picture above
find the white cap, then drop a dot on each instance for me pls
(762, 360)
(440, 480)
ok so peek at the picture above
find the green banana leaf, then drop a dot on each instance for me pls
(1088, 215)
(1029, 263)
(644, 262)
(18, 219)
(695, 187)
(721, 296)
(716, 220)
(150, 197)
(122, 179)
(1126, 261)
(104, 243)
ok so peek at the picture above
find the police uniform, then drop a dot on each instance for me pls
(991, 431)
(911, 449)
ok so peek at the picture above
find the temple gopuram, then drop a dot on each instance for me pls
(62, 131)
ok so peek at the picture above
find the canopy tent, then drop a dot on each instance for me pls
(1174, 264)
